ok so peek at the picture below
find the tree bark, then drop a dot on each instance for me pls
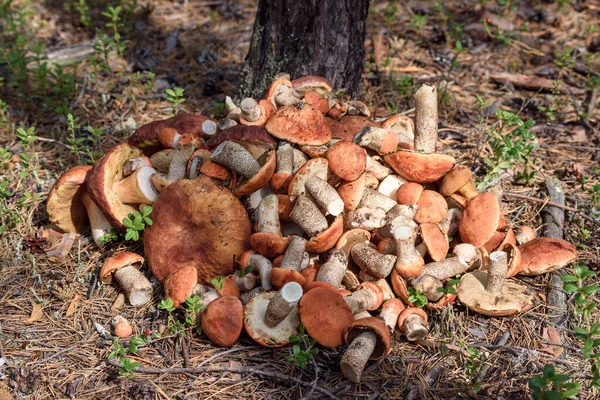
(306, 37)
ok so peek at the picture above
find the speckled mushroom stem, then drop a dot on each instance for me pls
(137, 188)
(245, 297)
(178, 165)
(361, 300)
(98, 223)
(428, 285)
(385, 287)
(136, 286)
(362, 314)
(307, 216)
(449, 224)
(267, 215)
(133, 164)
(376, 169)
(285, 158)
(284, 96)
(283, 303)
(414, 328)
(294, 254)
(233, 111)
(426, 118)
(465, 255)
(373, 262)
(373, 199)
(390, 311)
(226, 123)
(250, 110)
(334, 269)
(356, 356)
(299, 159)
(409, 262)
(325, 195)
(263, 266)
(400, 214)
(497, 272)
(364, 218)
(235, 157)
(376, 139)
(246, 283)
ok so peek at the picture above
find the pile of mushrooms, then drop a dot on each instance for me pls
(330, 216)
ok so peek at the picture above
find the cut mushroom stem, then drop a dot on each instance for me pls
(246, 282)
(373, 199)
(250, 110)
(428, 285)
(426, 118)
(376, 169)
(285, 158)
(136, 286)
(209, 127)
(263, 266)
(465, 256)
(233, 111)
(365, 218)
(356, 356)
(371, 261)
(294, 254)
(497, 272)
(226, 123)
(179, 160)
(137, 188)
(133, 164)
(235, 157)
(98, 223)
(381, 140)
(308, 217)
(361, 300)
(268, 215)
(283, 303)
(325, 195)
(284, 96)
(249, 295)
(415, 328)
(409, 263)
(334, 269)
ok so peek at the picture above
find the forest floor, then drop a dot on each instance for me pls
(536, 59)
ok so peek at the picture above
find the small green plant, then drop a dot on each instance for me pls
(551, 385)
(192, 305)
(175, 97)
(416, 297)
(450, 287)
(218, 282)
(111, 236)
(472, 365)
(390, 13)
(127, 366)
(418, 21)
(242, 273)
(404, 85)
(303, 348)
(583, 293)
(137, 222)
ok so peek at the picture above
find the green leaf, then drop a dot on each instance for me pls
(569, 278)
(294, 339)
(570, 287)
(588, 290)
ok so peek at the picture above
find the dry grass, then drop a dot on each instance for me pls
(200, 45)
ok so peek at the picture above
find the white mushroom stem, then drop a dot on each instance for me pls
(283, 303)
(285, 158)
(390, 185)
(137, 188)
(426, 118)
(235, 157)
(294, 254)
(98, 223)
(284, 96)
(263, 266)
(245, 297)
(233, 111)
(373, 262)
(246, 283)
(133, 164)
(308, 217)
(376, 169)
(390, 311)
(373, 199)
(299, 159)
(387, 291)
(136, 286)
(400, 214)
(362, 314)
(334, 269)
(374, 138)
(428, 285)
(226, 123)
(267, 215)
(325, 195)
(497, 272)
(253, 201)
(178, 165)
(449, 225)
(207, 294)
(364, 218)
(361, 300)
(421, 249)
(251, 111)
(356, 356)
(446, 268)
(209, 127)
(414, 328)
(406, 252)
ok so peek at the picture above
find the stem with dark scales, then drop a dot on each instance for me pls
(426, 118)
(414, 328)
(294, 254)
(325, 195)
(235, 157)
(308, 217)
(360, 300)
(282, 303)
(355, 358)
(334, 269)
(137, 287)
(497, 272)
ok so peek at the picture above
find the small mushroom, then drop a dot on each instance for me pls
(222, 320)
(373, 199)
(413, 323)
(367, 296)
(409, 263)
(524, 234)
(285, 164)
(465, 257)
(325, 195)
(542, 255)
(267, 240)
(253, 113)
(282, 303)
(458, 180)
(235, 157)
(390, 311)
(371, 261)
(383, 141)
(124, 266)
(368, 339)
(256, 327)
(121, 327)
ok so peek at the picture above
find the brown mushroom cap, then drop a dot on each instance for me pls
(347, 160)
(400, 287)
(180, 284)
(64, 206)
(408, 311)
(409, 193)
(327, 239)
(146, 137)
(222, 320)
(351, 238)
(351, 192)
(299, 123)
(542, 255)
(480, 219)
(375, 325)
(420, 167)
(431, 208)
(269, 244)
(435, 240)
(454, 180)
(513, 299)
(307, 83)
(281, 276)
(240, 132)
(346, 127)
(198, 223)
(325, 316)
(313, 167)
(257, 329)
(118, 261)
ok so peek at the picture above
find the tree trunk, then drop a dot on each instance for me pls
(306, 37)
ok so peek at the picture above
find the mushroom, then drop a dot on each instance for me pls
(524, 234)
(222, 320)
(325, 195)
(390, 311)
(458, 180)
(285, 165)
(351, 192)
(124, 266)
(282, 303)
(368, 339)
(542, 255)
(389, 186)
(256, 327)
(308, 217)
(490, 293)
(299, 123)
(371, 261)
(367, 296)
(246, 297)
(317, 101)
(404, 128)
(365, 218)
(235, 157)
(98, 223)
(253, 113)
(181, 284)
(325, 315)
(409, 262)
(311, 83)
(294, 254)
(381, 140)
(334, 269)
(268, 240)
(480, 219)
(280, 93)
(373, 199)
(428, 285)
(347, 160)
(375, 168)
(121, 327)
(63, 207)
(262, 266)
(465, 257)
(314, 167)
(435, 241)
(413, 323)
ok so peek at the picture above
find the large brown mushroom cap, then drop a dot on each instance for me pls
(479, 219)
(257, 329)
(325, 316)
(420, 167)
(146, 137)
(222, 320)
(542, 255)
(106, 172)
(327, 239)
(64, 206)
(198, 223)
(299, 123)
(347, 160)
(375, 325)
(513, 299)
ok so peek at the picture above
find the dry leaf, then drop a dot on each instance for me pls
(551, 334)
(73, 305)
(36, 314)
(118, 303)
